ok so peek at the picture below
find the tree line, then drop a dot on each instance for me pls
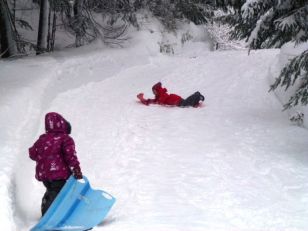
(262, 23)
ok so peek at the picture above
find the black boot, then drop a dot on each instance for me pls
(201, 97)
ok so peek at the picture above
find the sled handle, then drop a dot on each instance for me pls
(107, 195)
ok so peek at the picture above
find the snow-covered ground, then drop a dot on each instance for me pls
(235, 164)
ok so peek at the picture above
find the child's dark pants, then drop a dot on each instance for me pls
(52, 190)
(192, 100)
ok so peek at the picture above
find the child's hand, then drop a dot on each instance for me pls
(140, 96)
(77, 173)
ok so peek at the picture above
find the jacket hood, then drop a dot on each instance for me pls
(54, 122)
(158, 88)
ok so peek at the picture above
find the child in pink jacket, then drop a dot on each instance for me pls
(55, 157)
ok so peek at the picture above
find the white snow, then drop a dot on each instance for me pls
(234, 164)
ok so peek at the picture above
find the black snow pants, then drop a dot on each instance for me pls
(192, 100)
(52, 190)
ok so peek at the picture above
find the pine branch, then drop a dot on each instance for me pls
(24, 24)
(296, 70)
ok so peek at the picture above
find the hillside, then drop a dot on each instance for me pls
(236, 163)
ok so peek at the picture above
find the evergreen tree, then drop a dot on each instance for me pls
(270, 24)
(267, 23)
(295, 71)
(278, 23)
(275, 22)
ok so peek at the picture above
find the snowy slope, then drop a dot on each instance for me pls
(234, 164)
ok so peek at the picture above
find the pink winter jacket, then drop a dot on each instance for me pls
(54, 151)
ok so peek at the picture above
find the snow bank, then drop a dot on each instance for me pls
(156, 38)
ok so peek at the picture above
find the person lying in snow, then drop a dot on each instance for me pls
(55, 156)
(162, 97)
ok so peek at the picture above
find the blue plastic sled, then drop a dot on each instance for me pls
(76, 208)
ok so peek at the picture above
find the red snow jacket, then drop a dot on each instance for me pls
(54, 151)
(162, 97)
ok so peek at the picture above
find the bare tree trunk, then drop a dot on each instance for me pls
(8, 42)
(14, 13)
(53, 34)
(78, 18)
(43, 27)
(52, 19)
(49, 29)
